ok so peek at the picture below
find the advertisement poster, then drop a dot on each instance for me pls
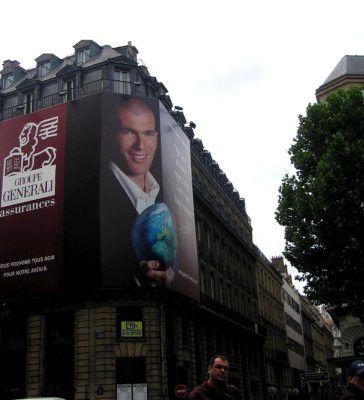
(31, 207)
(96, 192)
(147, 221)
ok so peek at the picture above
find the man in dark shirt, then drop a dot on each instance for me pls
(216, 387)
(355, 388)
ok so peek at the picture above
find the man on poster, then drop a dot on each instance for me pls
(129, 189)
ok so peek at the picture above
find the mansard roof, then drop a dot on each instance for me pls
(67, 69)
(108, 53)
(27, 82)
(84, 43)
(348, 65)
(46, 57)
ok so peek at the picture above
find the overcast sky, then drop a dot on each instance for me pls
(242, 71)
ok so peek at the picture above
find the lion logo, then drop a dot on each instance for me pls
(31, 153)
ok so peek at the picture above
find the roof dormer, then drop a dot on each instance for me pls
(11, 72)
(45, 63)
(85, 50)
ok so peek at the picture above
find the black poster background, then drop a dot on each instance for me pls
(82, 186)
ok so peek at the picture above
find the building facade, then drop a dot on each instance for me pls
(278, 372)
(318, 351)
(87, 341)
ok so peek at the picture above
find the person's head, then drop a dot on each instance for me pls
(218, 370)
(355, 374)
(136, 139)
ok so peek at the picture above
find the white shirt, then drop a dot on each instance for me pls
(140, 199)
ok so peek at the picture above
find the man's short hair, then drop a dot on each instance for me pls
(133, 104)
(213, 358)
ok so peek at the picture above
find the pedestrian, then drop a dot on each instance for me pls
(216, 386)
(355, 379)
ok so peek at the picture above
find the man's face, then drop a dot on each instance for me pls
(137, 140)
(219, 371)
(358, 382)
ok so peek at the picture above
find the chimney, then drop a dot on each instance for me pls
(279, 264)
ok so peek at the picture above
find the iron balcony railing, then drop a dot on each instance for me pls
(235, 316)
(101, 85)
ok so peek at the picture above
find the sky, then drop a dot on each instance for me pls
(243, 71)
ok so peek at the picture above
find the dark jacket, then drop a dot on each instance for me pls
(352, 393)
(207, 392)
(117, 215)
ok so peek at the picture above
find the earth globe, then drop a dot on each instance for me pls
(154, 236)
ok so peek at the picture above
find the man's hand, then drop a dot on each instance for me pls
(151, 271)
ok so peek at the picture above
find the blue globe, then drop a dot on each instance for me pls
(154, 236)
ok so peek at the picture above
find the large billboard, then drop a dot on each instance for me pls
(31, 208)
(147, 220)
(109, 191)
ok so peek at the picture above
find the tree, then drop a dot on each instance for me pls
(321, 207)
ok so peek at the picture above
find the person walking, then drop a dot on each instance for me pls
(355, 387)
(216, 386)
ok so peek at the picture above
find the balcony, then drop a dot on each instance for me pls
(229, 313)
(101, 85)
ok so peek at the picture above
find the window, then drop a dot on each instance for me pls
(221, 291)
(212, 286)
(248, 308)
(44, 68)
(28, 102)
(186, 332)
(202, 280)
(217, 245)
(8, 80)
(59, 355)
(83, 55)
(295, 346)
(292, 323)
(208, 238)
(69, 87)
(236, 300)
(198, 229)
(122, 81)
(227, 254)
(289, 300)
(229, 296)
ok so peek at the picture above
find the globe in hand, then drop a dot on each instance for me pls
(154, 236)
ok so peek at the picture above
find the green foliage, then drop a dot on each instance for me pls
(322, 206)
